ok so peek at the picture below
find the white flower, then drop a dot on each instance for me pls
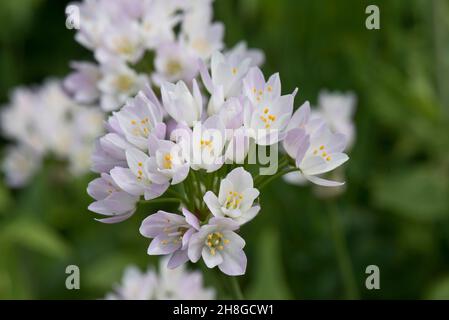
(220, 246)
(111, 200)
(181, 105)
(267, 114)
(225, 80)
(117, 84)
(158, 22)
(337, 109)
(235, 198)
(203, 147)
(19, 165)
(316, 154)
(134, 179)
(171, 234)
(166, 162)
(122, 40)
(135, 285)
(173, 63)
(200, 35)
(139, 118)
(82, 83)
(241, 52)
(168, 284)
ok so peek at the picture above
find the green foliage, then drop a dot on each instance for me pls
(395, 211)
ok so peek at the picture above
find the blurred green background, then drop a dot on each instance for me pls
(395, 212)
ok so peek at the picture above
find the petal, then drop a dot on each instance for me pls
(248, 215)
(211, 201)
(191, 218)
(211, 260)
(323, 182)
(178, 258)
(240, 179)
(116, 219)
(162, 245)
(127, 181)
(234, 261)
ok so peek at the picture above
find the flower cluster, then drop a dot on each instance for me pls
(168, 284)
(44, 121)
(139, 41)
(198, 144)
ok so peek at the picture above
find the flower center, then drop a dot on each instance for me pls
(173, 67)
(233, 200)
(123, 83)
(206, 143)
(321, 152)
(141, 127)
(168, 163)
(174, 232)
(267, 118)
(216, 241)
(124, 46)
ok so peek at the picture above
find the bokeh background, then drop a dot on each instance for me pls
(394, 213)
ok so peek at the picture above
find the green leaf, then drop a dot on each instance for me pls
(35, 236)
(440, 290)
(419, 193)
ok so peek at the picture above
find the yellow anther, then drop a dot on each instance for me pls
(234, 71)
(269, 88)
(133, 122)
(322, 147)
(254, 90)
(267, 126)
(272, 117)
(212, 251)
(220, 247)
(140, 164)
(265, 110)
(209, 244)
(260, 92)
(140, 172)
(328, 158)
(324, 154)
(226, 241)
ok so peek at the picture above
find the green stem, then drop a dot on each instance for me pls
(275, 176)
(236, 288)
(341, 251)
(161, 200)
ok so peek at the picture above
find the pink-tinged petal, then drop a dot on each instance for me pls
(234, 261)
(98, 189)
(181, 174)
(160, 130)
(155, 190)
(323, 182)
(210, 259)
(302, 149)
(191, 218)
(293, 140)
(153, 145)
(295, 178)
(196, 245)
(234, 239)
(136, 159)
(178, 258)
(224, 223)
(301, 117)
(116, 203)
(127, 181)
(205, 76)
(275, 82)
(162, 245)
(337, 143)
(186, 238)
(155, 224)
(211, 201)
(116, 219)
(115, 145)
